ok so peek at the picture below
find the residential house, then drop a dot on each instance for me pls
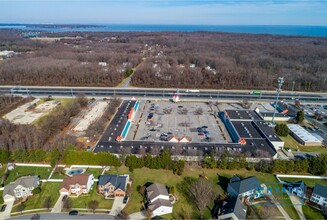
(158, 199)
(21, 188)
(319, 195)
(112, 186)
(77, 184)
(233, 209)
(297, 188)
(248, 187)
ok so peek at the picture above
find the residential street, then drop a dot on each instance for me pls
(63, 216)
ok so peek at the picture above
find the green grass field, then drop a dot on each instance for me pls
(19, 171)
(308, 182)
(182, 206)
(2, 170)
(95, 171)
(294, 145)
(36, 201)
(82, 201)
(311, 213)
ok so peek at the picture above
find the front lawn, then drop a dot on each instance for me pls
(2, 170)
(83, 200)
(311, 213)
(19, 171)
(37, 201)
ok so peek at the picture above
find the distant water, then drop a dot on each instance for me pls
(318, 31)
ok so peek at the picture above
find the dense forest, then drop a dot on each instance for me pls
(166, 59)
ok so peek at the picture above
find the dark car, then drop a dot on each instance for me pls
(64, 198)
(3, 208)
(74, 212)
(125, 199)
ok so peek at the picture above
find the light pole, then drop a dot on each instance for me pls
(280, 83)
(293, 88)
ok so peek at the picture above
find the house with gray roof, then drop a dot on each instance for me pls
(158, 199)
(21, 188)
(233, 209)
(248, 187)
(111, 185)
(319, 195)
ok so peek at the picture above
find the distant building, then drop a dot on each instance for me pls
(104, 64)
(21, 188)
(319, 195)
(7, 54)
(303, 136)
(158, 200)
(112, 186)
(233, 209)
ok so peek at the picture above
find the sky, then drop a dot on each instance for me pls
(197, 12)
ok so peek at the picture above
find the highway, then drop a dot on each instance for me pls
(160, 93)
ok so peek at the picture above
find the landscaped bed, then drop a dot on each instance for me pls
(19, 171)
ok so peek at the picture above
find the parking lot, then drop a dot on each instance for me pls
(167, 121)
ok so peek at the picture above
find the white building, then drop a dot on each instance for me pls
(319, 195)
(158, 199)
(303, 136)
(21, 188)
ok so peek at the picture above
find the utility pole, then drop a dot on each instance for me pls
(279, 89)
(293, 88)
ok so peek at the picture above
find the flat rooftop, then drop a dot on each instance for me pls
(303, 134)
(270, 114)
(268, 131)
(245, 129)
(244, 115)
(118, 122)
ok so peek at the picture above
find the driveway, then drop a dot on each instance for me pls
(297, 203)
(58, 206)
(6, 213)
(117, 206)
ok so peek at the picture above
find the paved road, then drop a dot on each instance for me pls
(6, 213)
(154, 92)
(63, 216)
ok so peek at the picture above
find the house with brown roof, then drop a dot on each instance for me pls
(77, 184)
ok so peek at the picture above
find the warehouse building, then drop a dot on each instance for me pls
(303, 136)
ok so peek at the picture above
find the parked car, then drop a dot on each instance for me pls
(201, 134)
(74, 212)
(125, 199)
(3, 208)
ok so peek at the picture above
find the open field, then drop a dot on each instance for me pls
(30, 112)
(37, 201)
(183, 206)
(94, 113)
(19, 171)
(308, 182)
(178, 119)
(294, 145)
(82, 201)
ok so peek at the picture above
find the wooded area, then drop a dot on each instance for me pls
(166, 59)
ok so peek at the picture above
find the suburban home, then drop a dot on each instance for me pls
(319, 195)
(248, 187)
(112, 186)
(233, 209)
(21, 188)
(77, 184)
(298, 188)
(158, 199)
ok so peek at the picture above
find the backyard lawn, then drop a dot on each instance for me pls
(19, 171)
(308, 182)
(95, 171)
(182, 206)
(36, 201)
(294, 145)
(82, 201)
(311, 213)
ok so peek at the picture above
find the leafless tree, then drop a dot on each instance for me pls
(93, 204)
(67, 204)
(198, 111)
(47, 203)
